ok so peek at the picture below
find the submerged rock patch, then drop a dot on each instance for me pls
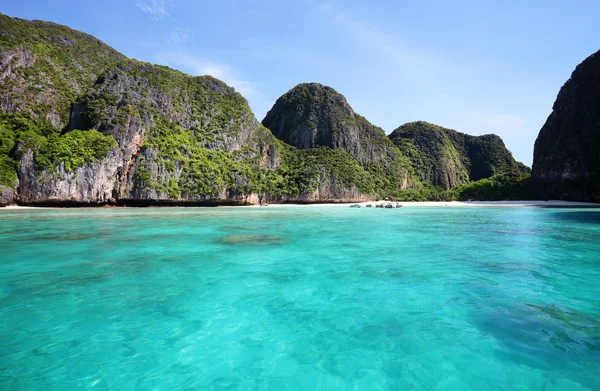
(241, 227)
(252, 239)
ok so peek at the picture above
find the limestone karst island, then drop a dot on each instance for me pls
(200, 204)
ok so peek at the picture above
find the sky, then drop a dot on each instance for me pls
(476, 66)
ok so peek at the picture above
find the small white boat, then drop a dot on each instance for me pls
(355, 206)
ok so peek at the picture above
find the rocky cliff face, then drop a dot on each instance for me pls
(566, 161)
(7, 195)
(447, 158)
(93, 183)
(312, 115)
(182, 137)
(80, 125)
(325, 187)
(178, 139)
(44, 66)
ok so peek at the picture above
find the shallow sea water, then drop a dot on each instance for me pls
(319, 298)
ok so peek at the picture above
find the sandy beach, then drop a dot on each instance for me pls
(20, 207)
(429, 204)
(461, 204)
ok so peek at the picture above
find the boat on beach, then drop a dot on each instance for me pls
(386, 205)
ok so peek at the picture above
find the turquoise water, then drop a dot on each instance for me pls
(287, 298)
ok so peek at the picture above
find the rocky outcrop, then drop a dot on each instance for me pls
(566, 161)
(7, 195)
(91, 184)
(312, 115)
(169, 126)
(133, 97)
(177, 139)
(447, 158)
(44, 66)
(327, 188)
(10, 62)
(80, 124)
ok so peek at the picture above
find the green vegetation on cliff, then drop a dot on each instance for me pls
(51, 149)
(69, 99)
(447, 158)
(72, 149)
(44, 68)
(499, 187)
(432, 154)
(47, 66)
(14, 128)
(197, 137)
(203, 172)
(312, 115)
(153, 93)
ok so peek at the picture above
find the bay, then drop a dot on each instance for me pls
(300, 298)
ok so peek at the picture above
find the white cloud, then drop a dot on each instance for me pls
(180, 35)
(156, 8)
(199, 67)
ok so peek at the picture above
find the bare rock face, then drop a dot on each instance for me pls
(7, 195)
(93, 183)
(133, 97)
(566, 161)
(13, 59)
(169, 126)
(10, 62)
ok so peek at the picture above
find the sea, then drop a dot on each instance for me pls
(300, 298)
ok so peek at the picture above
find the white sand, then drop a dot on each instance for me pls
(461, 204)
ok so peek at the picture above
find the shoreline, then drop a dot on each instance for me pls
(461, 204)
(434, 204)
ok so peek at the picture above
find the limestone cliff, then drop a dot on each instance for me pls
(80, 124)
(44, 66)
(447, 158)
(312, 115)
(90, 184)
(182, 137)
(566, 158)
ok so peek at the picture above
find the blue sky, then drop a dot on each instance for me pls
(475, 66)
